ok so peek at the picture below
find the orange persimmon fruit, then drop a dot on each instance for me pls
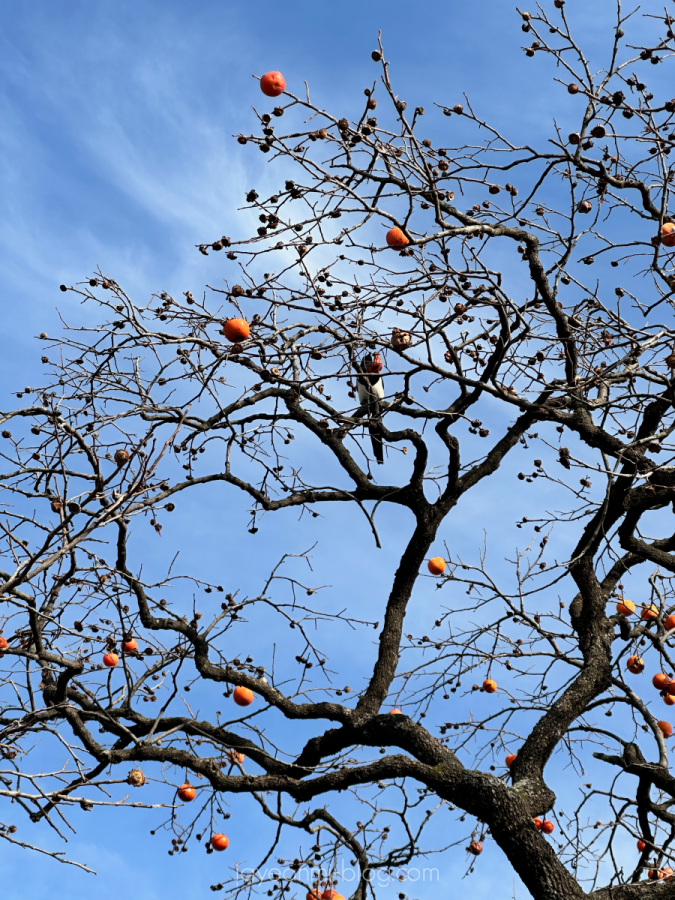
(436, 565)
(186, 792)
(396, 238)
(243, 696)
(625, 607)
(272, 84)
(220, 841)
(635, 665)
(236, 330)
(668, 234)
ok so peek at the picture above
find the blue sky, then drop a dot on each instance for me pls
(116, 151)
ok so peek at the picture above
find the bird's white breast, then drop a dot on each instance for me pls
(368, 391)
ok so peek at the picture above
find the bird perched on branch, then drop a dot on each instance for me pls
(371, 393)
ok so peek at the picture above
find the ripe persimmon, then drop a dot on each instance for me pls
(236, 330)
(489, 685)
(220, 841)
(665, 728)
(669, 624)
(625, 607)
(272, 84)
(330, 894)
(394, 712)
(243, 696)
(236, 757)
(668, 699)
(396, 238)
(3, 643)
(313, 895)
(537, 823)
(641, 845)
(649, 612)
(186, 792)
(436, 565)
(110, 660)
(668, 234)
(660, 681)
(510, 759)
(547, 826)
(130, 646)
(670, 688)
(635, 664)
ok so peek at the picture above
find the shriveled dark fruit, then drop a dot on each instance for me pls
(121, 457)
(136, 778)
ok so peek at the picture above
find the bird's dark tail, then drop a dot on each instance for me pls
(375, 437)
(378, 450)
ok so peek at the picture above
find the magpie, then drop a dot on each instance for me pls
(371, 392)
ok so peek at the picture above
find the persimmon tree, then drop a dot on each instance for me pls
(380, 259)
